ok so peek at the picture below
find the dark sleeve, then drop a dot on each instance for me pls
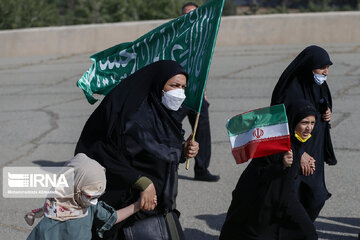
(96, 142)
(150, 154)
(183, 157)
(138, 139)
(269, 167)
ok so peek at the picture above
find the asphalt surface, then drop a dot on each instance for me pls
(43, 112)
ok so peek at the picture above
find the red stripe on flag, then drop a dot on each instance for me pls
(261, 148)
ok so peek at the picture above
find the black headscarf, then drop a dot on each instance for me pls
(297, 111)
(103, 135)
(297, 82)
(312, 57)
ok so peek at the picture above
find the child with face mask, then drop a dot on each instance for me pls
(71, 214)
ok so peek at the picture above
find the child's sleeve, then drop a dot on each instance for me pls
(105, 217)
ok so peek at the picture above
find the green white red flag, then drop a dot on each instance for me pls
(259, 133)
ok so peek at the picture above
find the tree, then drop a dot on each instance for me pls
(229, 8)
(25, 14)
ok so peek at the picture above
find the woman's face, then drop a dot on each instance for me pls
(323, 71)
(305, 126)
(177, 81)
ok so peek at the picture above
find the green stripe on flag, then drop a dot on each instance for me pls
(188, 39)
(257, 118)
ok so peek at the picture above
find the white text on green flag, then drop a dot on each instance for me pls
(189, 40)
(259, 133)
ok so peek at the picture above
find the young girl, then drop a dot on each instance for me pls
(71, 215)
(264, 204)
(305, 78)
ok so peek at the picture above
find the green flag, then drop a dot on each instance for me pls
(189, 40)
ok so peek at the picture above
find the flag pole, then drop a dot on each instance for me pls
(193, 139)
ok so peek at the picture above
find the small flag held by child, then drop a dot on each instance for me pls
(259, 133)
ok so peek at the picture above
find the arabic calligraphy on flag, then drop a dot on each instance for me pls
(188, 39)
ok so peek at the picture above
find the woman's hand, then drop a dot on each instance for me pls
(191, 148)
(148, 199)
(327, 115)
(307, 164)
(288, 158)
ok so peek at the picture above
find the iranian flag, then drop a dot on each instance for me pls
(259, 133)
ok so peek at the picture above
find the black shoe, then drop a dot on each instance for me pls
(207, 177)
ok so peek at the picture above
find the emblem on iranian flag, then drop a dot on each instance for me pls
(259, 133)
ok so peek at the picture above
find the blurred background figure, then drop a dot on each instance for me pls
(202, 136)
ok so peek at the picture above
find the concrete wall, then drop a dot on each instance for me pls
(312, 28)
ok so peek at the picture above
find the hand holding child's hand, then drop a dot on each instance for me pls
(147, 198)
(307, 164)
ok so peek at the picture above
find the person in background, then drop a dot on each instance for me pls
(188, 7)
(305, 78)
(202, 136)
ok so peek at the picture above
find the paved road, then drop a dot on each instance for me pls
(43, 112)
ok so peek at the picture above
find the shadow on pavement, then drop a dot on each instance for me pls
(191, 233)
(214, 222)
(349, 227)
(48, 163)
(186, 177)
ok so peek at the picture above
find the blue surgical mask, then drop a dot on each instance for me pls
(319, 78)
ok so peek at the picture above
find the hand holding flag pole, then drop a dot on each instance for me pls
(189, 39)
(258, 133)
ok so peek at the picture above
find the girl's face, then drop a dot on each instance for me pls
(177, 81)
(305, 126)
(323, 71)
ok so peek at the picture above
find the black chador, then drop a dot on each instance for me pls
(133, 135)
(264, 204)
(297, 82)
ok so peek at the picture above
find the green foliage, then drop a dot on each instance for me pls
(229, 8)
(39, 13)
(29, 13)
(25, 14)
(94, 11)
(318, 6)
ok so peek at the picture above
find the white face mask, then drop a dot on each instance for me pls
(89, 201)
(319, 78)
(173, 99)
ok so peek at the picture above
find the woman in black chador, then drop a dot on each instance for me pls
(264, 204)
(133, 134)
(305, 78)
